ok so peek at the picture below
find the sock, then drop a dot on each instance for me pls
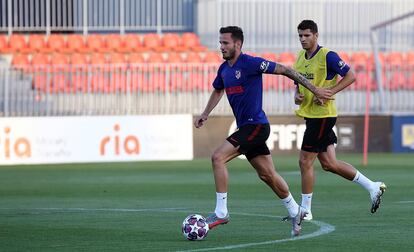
(307, 201)
(363, 181)
(221, 205)
(291, 205)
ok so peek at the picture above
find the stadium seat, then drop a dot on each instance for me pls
(78, 59)
(174, 57)
(212, 57)
(131, 43)
(4, 44)
(36, 44)
(394, 59)
(20, 61)
(152, 41)
(98, 59)
(41, 72)
(359, 60)
(59, 62)
(79, 63)
(55, 43)
(191, 42)
(40, 59)
(118, 60)
(113, 43)
(409, 60)
(192, 57)
(287, 58)
(75, 43)
(269, 56)
(135, 58)
(169, 42)
(155, 58)
(95, 43)
(17, 43)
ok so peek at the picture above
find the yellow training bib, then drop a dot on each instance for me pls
(315, 70)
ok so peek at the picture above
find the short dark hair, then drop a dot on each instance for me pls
(236, 32)
(308, 24)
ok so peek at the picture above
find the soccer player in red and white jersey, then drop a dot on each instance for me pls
(240, 77)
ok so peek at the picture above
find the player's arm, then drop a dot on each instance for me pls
(298, 96)
(347, 80)
(321, 93)
(214, 99)
(335, 65)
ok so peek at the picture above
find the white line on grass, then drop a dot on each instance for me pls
(324, 228)
(405, 202)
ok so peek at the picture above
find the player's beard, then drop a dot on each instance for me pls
(231, 53)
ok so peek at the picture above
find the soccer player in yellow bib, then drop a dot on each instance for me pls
(322, 67)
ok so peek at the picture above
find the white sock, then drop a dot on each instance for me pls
(291, 205)
(307, 201)
(221, 205)
(363, 181)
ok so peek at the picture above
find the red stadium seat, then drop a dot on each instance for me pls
(55, 43)
(75, 43)
(191, 42)
(193, 57)
(113, 43)
(359, 60)
(287, 58)
(155, 58)
(152, 41)
(17, 43)
(20, 61)
(36, 43)
(135, 58)
(4, 44)
(95, 43)
(269, 56)
(169, 42)
(174, 57)
(131, 43)
(212, 57)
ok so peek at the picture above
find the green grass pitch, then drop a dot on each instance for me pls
(140, 207)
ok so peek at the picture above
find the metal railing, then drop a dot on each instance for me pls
(169, 89)
(96, 16)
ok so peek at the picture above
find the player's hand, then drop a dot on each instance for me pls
(199, 121)
(324, 94)
(299, 98)
(318, 101)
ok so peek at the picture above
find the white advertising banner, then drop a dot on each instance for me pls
(41, 140)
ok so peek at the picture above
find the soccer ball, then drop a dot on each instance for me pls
(195, 227)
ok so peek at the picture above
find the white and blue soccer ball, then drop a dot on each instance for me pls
(194, 227)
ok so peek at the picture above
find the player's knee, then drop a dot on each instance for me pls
(305, 163)
(267, 178)
(328, 166)
(217, 158)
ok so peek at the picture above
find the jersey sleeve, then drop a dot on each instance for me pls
(218, 81)
(335, 65)
(261, 65)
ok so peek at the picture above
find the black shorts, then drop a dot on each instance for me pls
(251, 140)
(319, 134)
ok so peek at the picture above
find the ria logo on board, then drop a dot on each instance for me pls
(115, 144)
(14, 146)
